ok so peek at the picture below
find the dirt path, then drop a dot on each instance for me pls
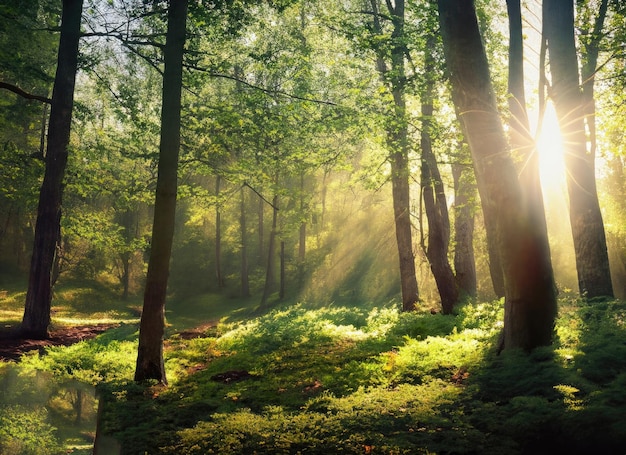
(12, 347)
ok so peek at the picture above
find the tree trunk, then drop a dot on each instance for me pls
(261, 231)
(464, 260)
(281, 293)
(397, 140)
(245, 281)
(590, 52)
(530, 300)
(520, 138)
(592, 262)
(150, 363)
(302, 236)
(218, 235)
(36, 317)
(126, 258)
(435, 205)
(270, 280)
(489, 219)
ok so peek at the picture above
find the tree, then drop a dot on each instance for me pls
(434, 196)
(520, 138)
(150, 364)
(464, 208)
(36, 317)
(390, 64)
(530, 300)
(592, 262)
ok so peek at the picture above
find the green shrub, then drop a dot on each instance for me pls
(25, 431)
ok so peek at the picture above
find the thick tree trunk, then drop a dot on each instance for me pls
(150, 363)
(521, 140)
(36, 317)
(592, 262)
(519, 133)
(530, 300)
(436, 208)
(245, 282)
(464, 260)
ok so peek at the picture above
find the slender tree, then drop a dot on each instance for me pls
(530, 300)
(434, 196)
(150, 363)
(592, 261)
(219, 277)
(36, 317)
(270, 272)
(393, 72)
(245, 280)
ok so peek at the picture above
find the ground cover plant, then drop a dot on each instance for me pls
(338, 379)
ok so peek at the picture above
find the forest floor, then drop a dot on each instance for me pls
(12, 346)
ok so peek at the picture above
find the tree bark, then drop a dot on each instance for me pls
(520, 138)
(218, 235)
(464, 260)
(397, 140)
(530, 300)
(270, 280)
(592, 262)
(36, 317)
(281, 292)
(435, 204)
(150, 363)
(245, 282)
(261, 230)
(489, 219)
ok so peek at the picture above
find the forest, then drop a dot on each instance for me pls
(308, 227)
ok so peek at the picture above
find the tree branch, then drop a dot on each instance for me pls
(23, 94)
(256, 87)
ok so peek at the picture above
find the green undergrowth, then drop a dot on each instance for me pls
(349, 380)
(346, 380)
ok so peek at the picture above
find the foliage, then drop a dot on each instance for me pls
(351, 380)
(24, 431)
(345, 379)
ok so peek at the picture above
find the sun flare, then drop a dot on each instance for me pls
(550, 149)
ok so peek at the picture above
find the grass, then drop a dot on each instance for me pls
(336, 379)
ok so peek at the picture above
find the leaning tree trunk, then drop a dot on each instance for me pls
(435, 205)
(592, 260)
(150, 363)
(530, 300)
(36, 317)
